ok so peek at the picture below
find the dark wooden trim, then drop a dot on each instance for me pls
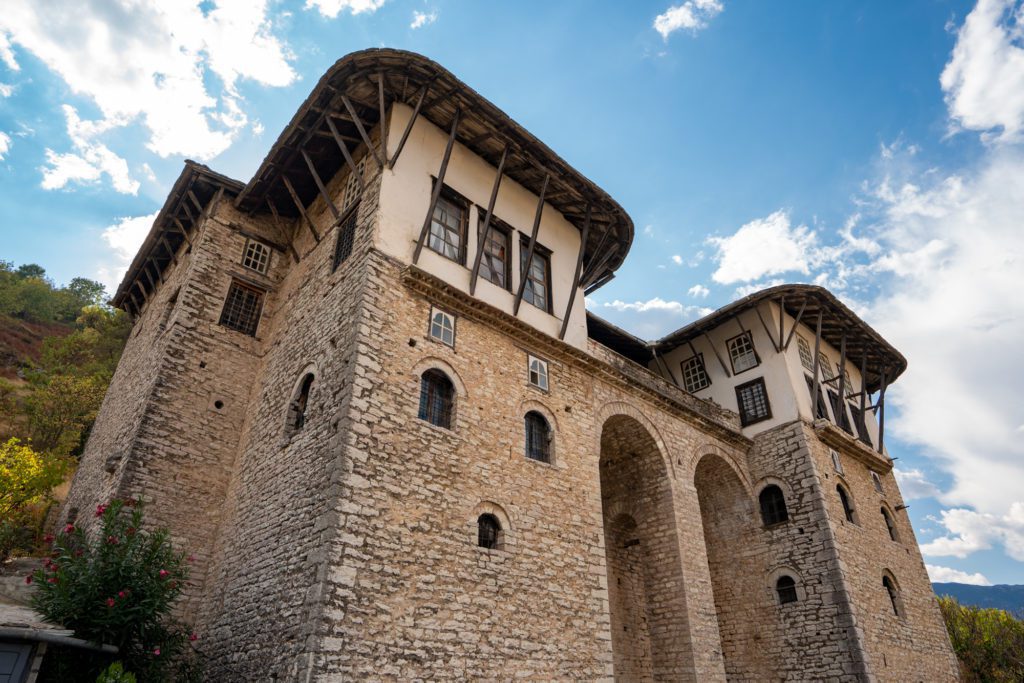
(348, 155)
(771, 337)
(796, 323)
(482, 239)
(744, 422)
(714, 350)
(362, 131)
(287, 240)
(744, 333)
(576, 277)
(524, 271)
(436, 194)
(383, 119)
(172, 252)
(320, 186)
(817, 363)
(408, 126)
(300, 207)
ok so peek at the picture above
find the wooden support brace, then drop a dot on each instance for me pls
(661, 364)
(714, 350)
(408, 126)
(149, 278)
(285, 238)
(525, 270)
(600, 247)
(362, 131)
(135, 300)
(145, 294)
(485, 232)
(383, 119)
(300, 207)
(320, 186)
(195, 202)
(796, 323)
(597, 266)
(768, 332)
(438, 186)
(863, 380)
(576, 279)
(348, 156)
(817, 361)
(171, 252)
(182, 230)
(156, 267)
(881, 413)
(782, 321)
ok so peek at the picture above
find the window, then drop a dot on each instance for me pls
(494, 265)
(890, 525)
(752, 399)
(447, 228)
(862, 428)
(847, 384)
(786, 588)
(837, 464)
(773, 505)
(742, 354)
(894, 599)
(695, 375)
(256, 256)
(442, 327)
(806, 359)
(876, 480)
(538, 437)
(436, 397)
(839, 410)
(826, 369)
(242, 308)
(820, 412)
(297, 407)
(538, 371)
(353, 190)
(346, 237)
(488, 532)
(844, 498)
(538, 279)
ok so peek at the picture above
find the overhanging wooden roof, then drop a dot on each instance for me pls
(370, 80)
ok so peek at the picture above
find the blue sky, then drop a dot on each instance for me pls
(874, 148)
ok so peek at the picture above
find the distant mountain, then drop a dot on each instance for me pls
(1009, 598)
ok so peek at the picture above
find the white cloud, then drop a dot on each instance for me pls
(677, 259)
(971, 531)
(984, 79)
(765, 246)
(914, 485)
(332, 8)
(170, 66)
(90, 160)
(5, 144)
(650, 319)
(655, 304)
(421, 19)
(948, 575)
(124, 239)
(698, 292)
(692, 15)
(649, 230)
(7, 54)
(6, 90)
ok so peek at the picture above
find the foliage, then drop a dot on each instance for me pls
(988, 642)
(26, 479)
(117, 586)
(115, 673)
(61, 408)
(26, 293)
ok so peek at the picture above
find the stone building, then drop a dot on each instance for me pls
(363, 390)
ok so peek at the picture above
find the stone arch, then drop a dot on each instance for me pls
(527, 406)
(435, 363)
(487, 507)
(764, 482)
(777, 573)
(728, 457)
(647, 602)
(294, 414)
(614, 408)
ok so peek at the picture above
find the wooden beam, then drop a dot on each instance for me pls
(436, 194)
(881, 413)
(149, 278)
(524, 271)
(863, 384)
(167, 246)
(320, 186)
(482, 239)
(661, 364)
(714, 350)
(782, 320)
(142, 288)
(156, 267)
(600, 246)
(796, 322)
(817, 360)
(842, 380)
(300, 207)
(348, 156)
(576, 278)
(440, 98)
(383, 119)
(771, 337)
(409, 124)
(195, 202)
(362, 131)
(473, 141)
(595, 269)
(135, 300)
(182, 230)
(285, 238)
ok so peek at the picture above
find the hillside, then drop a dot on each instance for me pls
(1006, 597)
(21, 342)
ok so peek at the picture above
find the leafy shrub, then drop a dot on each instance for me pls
(26, 480)
(115, 673)
(988, 642)
(117, 586)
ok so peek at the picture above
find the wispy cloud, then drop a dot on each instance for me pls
(421, 19)
(947, 575)
(698, 292)
(970, 531)
(332, 8)
(692, 15)
(124, 239)
(5, 144)
(6, 90)
(914, 485)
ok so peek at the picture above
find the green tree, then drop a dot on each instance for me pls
(988, 642)
(26, 479)
(61, 409)
(31, 270)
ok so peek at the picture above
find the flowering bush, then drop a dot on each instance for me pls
(117, 586)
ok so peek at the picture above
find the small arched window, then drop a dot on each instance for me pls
(786, 589)
(488, 532)
(436, 397)
(844, 498)
(894, 598)
(773, 505)
(299, 403)
(890, 524)
(538, 437)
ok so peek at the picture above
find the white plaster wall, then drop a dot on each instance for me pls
(405, 198)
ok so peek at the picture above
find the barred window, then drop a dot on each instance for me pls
(495, 261)
(256, 256)
(752, 399)
(537, 290)
(488, 532)
(742, 354)
(806, 359)
(242, 308)
(442, 327)
(446, 228)
(346, 237)
(538, 437)
(695, 375)
(353, 190)
(538, 371)
(786, 589)
(773, 505)
(839, 411)
(847, 384)
(437, 394)
(826, 368)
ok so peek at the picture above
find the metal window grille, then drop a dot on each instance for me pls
(537, 278)
(494, 265)
(242, 308)
(786, 588)
(752, 398)
(442, 327)
(741, 352)
(773, 506)
(538, 373)
(488, 530)
(353, 190)
(346, 237)
(891, 590)
(436, 397)
(806, 359)
(538, 437)
(256, 256)
(695, 375)
(446, 229)
(845, 500)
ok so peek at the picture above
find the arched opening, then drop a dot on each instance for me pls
(844, 499)
(296, 419)
(437, 397)
(488, 532)
(731, 531)
(890, 524)
(538, 437)
(894, 594)
(650, 632)
(773, 505)
(785, 588)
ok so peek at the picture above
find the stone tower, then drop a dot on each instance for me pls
(363, 390)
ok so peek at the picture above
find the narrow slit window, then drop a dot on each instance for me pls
(742, 354)
(256, 256)
(877, 481)
(695, 375)
(447, 228)
(538, 437)
(537, 290)
(786, 589)
(890, 525)
(538, 373)
(890, 588)
(494, 264)
(442, 327)
(844, 498)
(242, 308)
(752, 399)
(488, 533)
(437, 396)
(298, 405)
(773, 505)
(346, 237)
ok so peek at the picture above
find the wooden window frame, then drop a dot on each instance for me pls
(434, 310)
(753, 350)
(426, 405)
(745, 420)
(530, 359)
(501, 228)
(549, 435)
(539, 252)
(257, 315)
(699, 360)
(452, 197)
(246, 260)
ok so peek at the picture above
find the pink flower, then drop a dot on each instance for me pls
(193, 637)
(164, 573)
(100, 509)
(48, 538)
(120, 594)
(52, 579)
(28, 579)
(112, 540)
(191, 558)
(69, 528)
(110, 602)
(156, 651)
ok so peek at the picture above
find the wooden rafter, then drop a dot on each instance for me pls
(300, 207)
(486, 230)
(362, 131)
(345, 153)
(320, 186)
(525, 270)
(576, 280)
(408, 126)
